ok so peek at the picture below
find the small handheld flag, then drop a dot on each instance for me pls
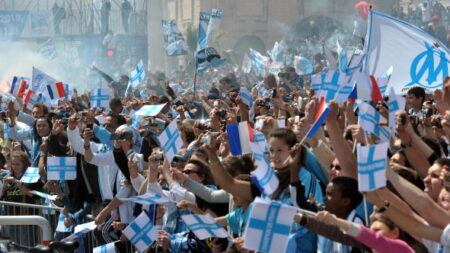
(56, 90)
(100, 97)
(141, 232)
(268, 226)
(239, 137)
(150, 110)
(372, 162)
(204, 226)
(18, 86)
(61, 168)
(30, 176)
(171, 140)
(148, 199)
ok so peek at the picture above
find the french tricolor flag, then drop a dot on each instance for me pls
(18, 86)
(56, 90)
(239, 137)
(30, 98)
(368, 89)
(322, 113)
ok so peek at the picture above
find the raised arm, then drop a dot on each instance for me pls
(342, 150)
(419, 200)
(226, 181)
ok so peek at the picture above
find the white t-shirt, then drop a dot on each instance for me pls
(444, 245)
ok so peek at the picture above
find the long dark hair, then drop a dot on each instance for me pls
(50, 125)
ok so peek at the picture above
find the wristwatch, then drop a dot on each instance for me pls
(405, 146)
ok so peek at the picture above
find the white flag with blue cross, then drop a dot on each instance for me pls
(61, 168)
(268, 226)
(106, 248)
(171, 140)
(82, 229)
(204, 226)
(150, 110)
(267, 179)
(149, 198)
(141, 232)
(369, 119)
(100, 97)
(372, 162)
(396, 103)
(61, 227)
(260, 139)
(332, 82)
(30, 176)
(137, 75)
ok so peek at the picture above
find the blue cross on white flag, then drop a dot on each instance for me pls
(82, 229)
(30, 176)
(150, 110)
(372, 162)
(137, 75)
(346, 89)
(204, 226)
(396, 103)
(246, 96)
(106, 248)
(61, 227)
(317, 82)
(100, 97)
(420, 59)
(149, 198)
(268, 226)
(171, 140)
(332, 82)
(260, 139)
(141, 232)
(6, 131)
(369, 119)
(265, 175)
(61, 168)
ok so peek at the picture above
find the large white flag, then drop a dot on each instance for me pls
(416, 57)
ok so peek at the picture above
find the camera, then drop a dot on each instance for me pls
(221, 113)
(288, 97)
(206, 139)
(124, 136)
(436, 123)
(414, 120)
(159, 156)
(282, 75)
(427, 112)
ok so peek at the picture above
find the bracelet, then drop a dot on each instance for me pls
(384, 207)
(405, 146)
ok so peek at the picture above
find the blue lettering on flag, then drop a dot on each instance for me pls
(426, 58)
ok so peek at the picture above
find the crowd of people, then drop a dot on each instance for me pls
(118, 158)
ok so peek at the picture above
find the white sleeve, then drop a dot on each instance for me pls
(155, 188)
(75, 140)
(180, 193)
(103, 159)
(137, 182)
(26, 118)
(445, 237)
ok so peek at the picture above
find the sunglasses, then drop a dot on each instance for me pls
(187, 172)
(337, 167)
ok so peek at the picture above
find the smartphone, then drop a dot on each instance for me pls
(90, 126)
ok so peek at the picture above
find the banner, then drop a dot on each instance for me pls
(417, 58)
(202, 30)
(213, 26)
(175, 44)
(25, 24)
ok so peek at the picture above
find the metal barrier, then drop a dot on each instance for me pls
(28, 232)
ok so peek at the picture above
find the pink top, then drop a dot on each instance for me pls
(381, 243)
